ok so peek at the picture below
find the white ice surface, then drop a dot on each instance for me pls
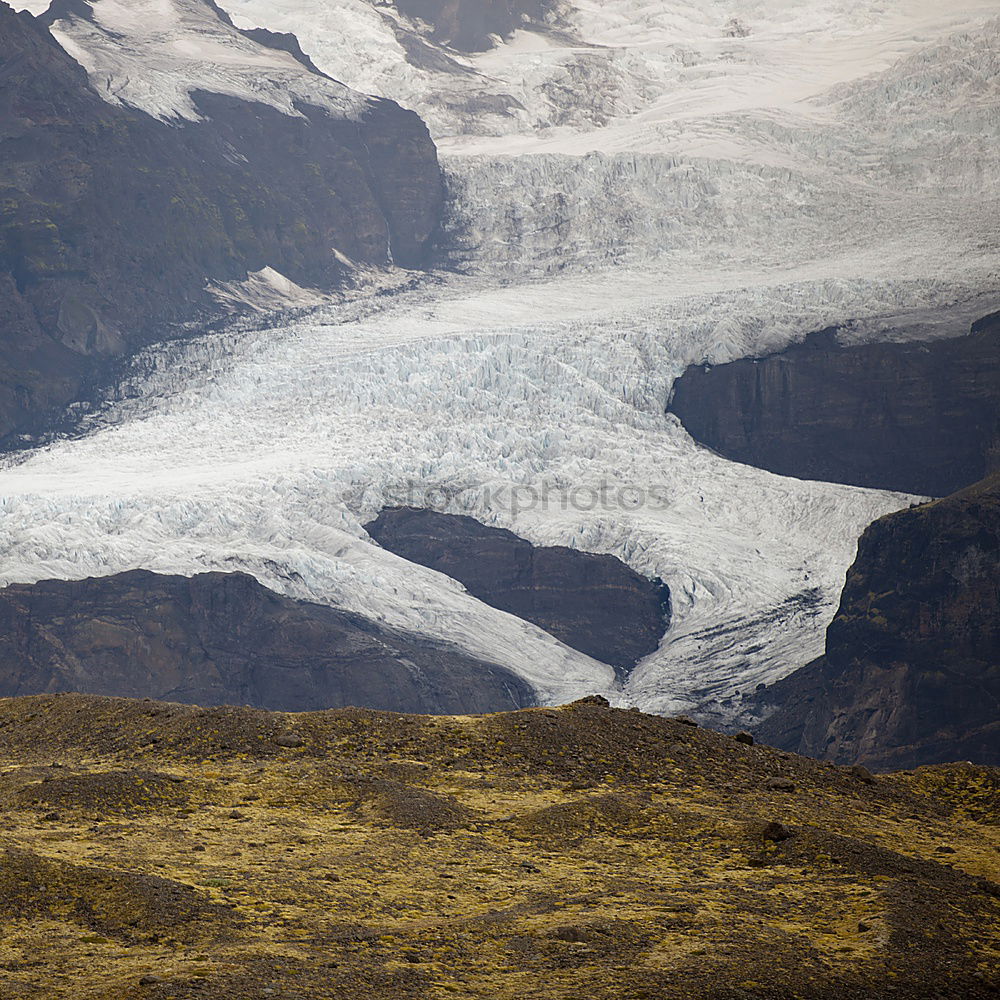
(617, 70)
(154, 54)
(664, 195)
(266, 450)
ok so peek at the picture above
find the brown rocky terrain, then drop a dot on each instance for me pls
(911, 673)
(594, 603)
(112, 223)
(920, 418)
(162, 851)
(222, 638)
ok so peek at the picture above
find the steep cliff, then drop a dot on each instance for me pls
(911, 673)
(223, 638)
(594, 603)
(920, 418)
(113, 221)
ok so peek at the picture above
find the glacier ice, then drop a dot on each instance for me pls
(611, 71)
(266, 450)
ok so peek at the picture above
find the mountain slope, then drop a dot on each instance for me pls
(112, 223)
(155, 850)
(225, 639)
(640, 188)
(911, 673)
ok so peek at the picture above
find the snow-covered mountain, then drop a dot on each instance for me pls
(117, 226)
(154, 54)
(633, 187)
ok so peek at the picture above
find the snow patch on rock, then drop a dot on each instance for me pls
(156, 55)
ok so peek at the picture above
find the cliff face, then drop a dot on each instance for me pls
(594, 603)
(918, 418)
(911, 673)
(225, 639)
(113, 222)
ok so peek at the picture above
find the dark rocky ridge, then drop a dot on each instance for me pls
(112, 223)
(911, 673)
(222, 638)
(468, 24)
(920, 418)
(283, 41)
(594, 603)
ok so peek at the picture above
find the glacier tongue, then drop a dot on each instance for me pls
(266, 450)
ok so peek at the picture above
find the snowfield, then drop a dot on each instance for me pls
(662, 186)
(154, 54)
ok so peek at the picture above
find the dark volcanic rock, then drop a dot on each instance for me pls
(112, 223)
(594, 603)
(284, 41)
(223, 638)
(921, 418)
(911, 673)
(776, 832)
(468, 24)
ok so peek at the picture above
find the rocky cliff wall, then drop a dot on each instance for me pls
(911, 673)
(594, 603)
(113, 222)
(223, 638)
(920, 418)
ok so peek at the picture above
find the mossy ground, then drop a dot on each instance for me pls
(577, 853)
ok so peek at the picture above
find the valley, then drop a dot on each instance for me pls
(492, 499)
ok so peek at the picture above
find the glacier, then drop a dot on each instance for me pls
(653, 192)
(266, 450)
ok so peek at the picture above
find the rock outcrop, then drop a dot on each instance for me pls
(920, 418)
(222, 638)
(911, 673)
(594, 603)
(113, 222)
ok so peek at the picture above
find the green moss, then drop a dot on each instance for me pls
(426, 857)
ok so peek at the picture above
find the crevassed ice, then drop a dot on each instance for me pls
(265, 451)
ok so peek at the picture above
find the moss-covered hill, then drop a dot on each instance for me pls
(153, 850)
